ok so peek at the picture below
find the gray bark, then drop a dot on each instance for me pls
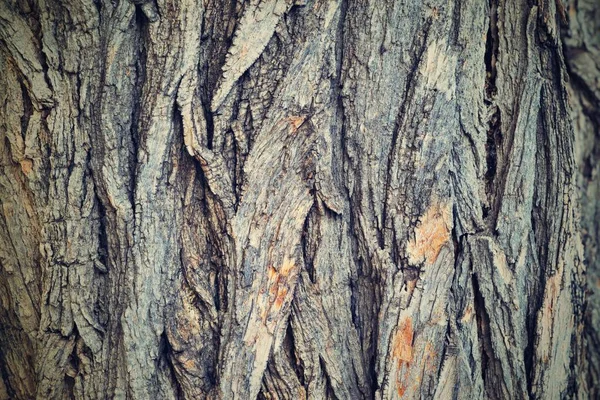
(320, 199)
(582, 49)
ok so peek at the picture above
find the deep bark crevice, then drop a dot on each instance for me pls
(483, 334)
(210, 128)
(310, 229)
(493, 145)
(134, 128)
(456, 22)
(330, 393)
(290, 348)
(73, 364)
(491, 50)
(4, 371)
(98, 4)
(164, 357)
(103, 245)
(540, 230)
(494, 141)
(27, 109)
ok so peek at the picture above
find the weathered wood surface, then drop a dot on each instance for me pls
(320, 199)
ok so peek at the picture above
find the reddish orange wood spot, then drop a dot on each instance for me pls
(296, 121)
(26, 165)
(403, 341)
(431, 234)
(402, 352)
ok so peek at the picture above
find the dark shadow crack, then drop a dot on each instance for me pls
(164, 361)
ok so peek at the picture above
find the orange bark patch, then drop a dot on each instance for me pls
(403, 342)
(189, 364)
(281, 295)
(26, 165)
(287, 267)
(468, 314)
(431, 234)
(272, 272)
(400, 388)
(278, 287)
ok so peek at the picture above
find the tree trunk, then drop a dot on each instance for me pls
(319, 199)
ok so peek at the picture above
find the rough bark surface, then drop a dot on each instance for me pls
(582, 50)
(318, 199)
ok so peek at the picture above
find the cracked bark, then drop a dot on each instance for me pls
(313, 199)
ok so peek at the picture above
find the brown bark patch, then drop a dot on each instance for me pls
(430, 235)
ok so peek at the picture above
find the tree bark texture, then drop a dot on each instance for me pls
(318, 199)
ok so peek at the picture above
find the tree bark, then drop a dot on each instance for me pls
(310, 199)
(582, 50)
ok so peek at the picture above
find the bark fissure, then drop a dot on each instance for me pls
(401, 121)
(10, 391)
(27, 110)
(494, 142)
(164, 356)
(484, 340)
